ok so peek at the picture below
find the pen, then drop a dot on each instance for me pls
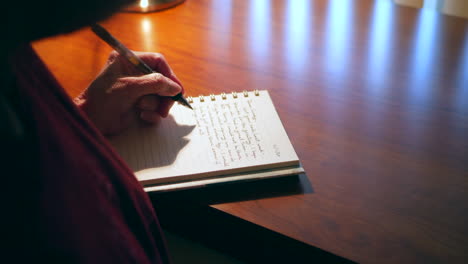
(131, 57)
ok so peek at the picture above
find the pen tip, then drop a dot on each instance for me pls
(188, 105)
(184, 102)
(181, 99)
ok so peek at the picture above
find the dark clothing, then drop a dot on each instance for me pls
(70, 198)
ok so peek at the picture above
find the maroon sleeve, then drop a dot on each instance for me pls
(89, 206)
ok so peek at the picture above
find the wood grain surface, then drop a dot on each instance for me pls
(374, 98)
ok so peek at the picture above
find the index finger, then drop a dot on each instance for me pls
(158, 63)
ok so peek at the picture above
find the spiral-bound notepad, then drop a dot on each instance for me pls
(227, 137)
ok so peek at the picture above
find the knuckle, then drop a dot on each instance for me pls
(159, 57)
(158, 78)
(112, 57)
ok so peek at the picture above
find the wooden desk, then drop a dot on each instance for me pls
(373, 96)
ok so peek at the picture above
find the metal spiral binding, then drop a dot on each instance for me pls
(201, 97)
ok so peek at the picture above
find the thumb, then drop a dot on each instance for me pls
(154, 83)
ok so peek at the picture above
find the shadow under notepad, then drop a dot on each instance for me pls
(235, 191)
(145, 146)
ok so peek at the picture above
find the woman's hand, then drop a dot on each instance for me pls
(120, 95)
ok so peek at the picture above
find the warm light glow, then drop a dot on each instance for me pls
(144, 3)
(146, 25)
(146, 28)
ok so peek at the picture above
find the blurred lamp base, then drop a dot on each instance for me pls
(145, 6)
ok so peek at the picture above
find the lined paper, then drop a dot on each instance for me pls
(223, 135)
